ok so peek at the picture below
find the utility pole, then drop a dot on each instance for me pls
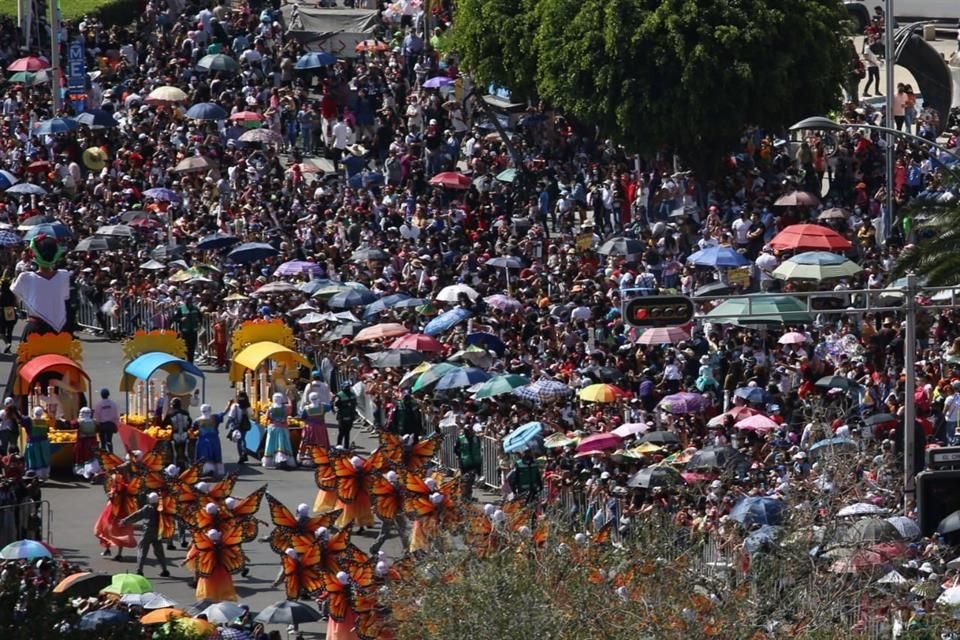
(910, 386)
(55, 56)
(890, 60)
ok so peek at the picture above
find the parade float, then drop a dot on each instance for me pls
(50, 376)
(155, 372)
(263, 362)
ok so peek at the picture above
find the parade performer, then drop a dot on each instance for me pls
(216, 554)
(208, 441)
(84, 460)
(435, 507)
(300, 573)
(326, 480)
(122, 490)
(314, 427)
(349, 594)
(44, 292)
(278, 451)
(198, 496)
(353, 494)
(346, 405)
(318, 386)
(408, 454)
(150, 515)
(178, 421)
(295, 531)
(387, 492)
(37, 453)
(173, 485)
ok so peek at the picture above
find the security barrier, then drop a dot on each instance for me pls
(29, 520)
(447, 455)
(490, 450)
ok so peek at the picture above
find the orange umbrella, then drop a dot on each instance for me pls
(381, 331)
(81, 584)
(159, 616)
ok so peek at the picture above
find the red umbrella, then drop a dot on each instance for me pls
(759, 423)
(600, 442)
(663, 335)
(691, 477)
(381, 331)
(40, 166)
(30, 63)
(810, 237)
(146, 223)
(246, 116)
(451, 180)
(418, 342)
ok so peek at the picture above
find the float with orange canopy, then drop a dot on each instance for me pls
(155, 372)
(263, 362)
(50, 376)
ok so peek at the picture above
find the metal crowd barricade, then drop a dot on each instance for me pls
(29, 519)
(490, 451)
(448, 458)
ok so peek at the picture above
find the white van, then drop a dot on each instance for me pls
(904, 10)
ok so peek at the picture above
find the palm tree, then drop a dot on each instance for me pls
(935, 256)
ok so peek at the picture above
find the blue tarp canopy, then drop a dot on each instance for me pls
(145, 365)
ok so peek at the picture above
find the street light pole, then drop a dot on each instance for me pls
(55, 57)
(889, 56)
(909, 387)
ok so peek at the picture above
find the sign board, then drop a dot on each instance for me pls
(76, 67)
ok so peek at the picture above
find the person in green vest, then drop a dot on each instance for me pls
(469, 456)
(187, 321)
(345, 404)
(526, 480)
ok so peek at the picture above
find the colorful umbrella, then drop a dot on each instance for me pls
(543, 390)
(432, 375)
(451, 180)
(503, 303)
(792, 337)
(248, 116)
(29, 63)
(162, 194)
(811, 237)
(738, 413)
(816, 265)
(371, 45)
(9, 238)
(718, 257)
(599, 442)
(418, 342)
(499, 385)
(381, 332)
(54, 126)
(25, 550)
(161, 616)
(82, 585)
(683, 402)
(189, 627)
(461, 377)
(395, 358)
(758, 423)
(518, 439)
(602, 393)
(124, 583)
(486, 341)
(663, 335)
(437, 82)
(446, 321)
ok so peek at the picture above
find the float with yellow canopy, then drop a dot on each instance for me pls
(50, 376)
(263, 362)
(156, 372)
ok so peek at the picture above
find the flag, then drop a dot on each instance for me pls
(134, 439)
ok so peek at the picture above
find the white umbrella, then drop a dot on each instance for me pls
(631, 429)
(950, 597)
(907, 527)
(153, 265)
(861, 509)
(306, 307)
(792, 337)
(892, 578)
(312, 318)
(452, 293)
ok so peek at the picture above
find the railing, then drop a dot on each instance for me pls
(25, 521)
(490, 453)
(447, 456)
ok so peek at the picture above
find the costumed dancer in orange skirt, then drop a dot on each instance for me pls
(217, 555)
(326, 479)
(122, 492)
(349, 594)
(353, 493)
(436, 509)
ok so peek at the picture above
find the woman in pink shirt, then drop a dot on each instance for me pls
(899, 106)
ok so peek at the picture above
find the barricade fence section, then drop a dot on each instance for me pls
(492, 473)
(28, 520)
(448, 457)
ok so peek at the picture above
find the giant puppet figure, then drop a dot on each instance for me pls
(45, 292)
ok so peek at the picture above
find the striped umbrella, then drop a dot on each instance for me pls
(544, 390)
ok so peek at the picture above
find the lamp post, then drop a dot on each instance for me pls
(888, 55)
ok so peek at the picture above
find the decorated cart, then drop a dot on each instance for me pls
(155, 373)
(264, 362)
(50, 376)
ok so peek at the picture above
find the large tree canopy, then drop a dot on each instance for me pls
(688, 75)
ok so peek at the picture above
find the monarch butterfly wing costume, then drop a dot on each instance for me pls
(152, 462)
(244, 513)
(285, 524)
(477, 533)
(416, 457)
(107, 460)
(323, 474)
(338, 597)
(348, 479)
(386, 497)
(123, 494)
(225, 554)
(392, 446)
(222, 490)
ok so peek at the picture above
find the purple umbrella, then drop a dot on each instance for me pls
(683, 402)
(503, 303)
(437, 82)
(159, 193)
(298, 267)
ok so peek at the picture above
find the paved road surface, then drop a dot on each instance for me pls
(76, 505)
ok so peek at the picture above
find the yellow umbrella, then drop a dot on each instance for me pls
(603, 393)
(94, 158)
(194, 627)
(234, 297)
(647, 447)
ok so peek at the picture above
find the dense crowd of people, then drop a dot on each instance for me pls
(383, 177)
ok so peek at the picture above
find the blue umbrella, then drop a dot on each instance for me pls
(446, 321)
(7, 179)
(819, 258)
(216, 241)
(97, 119)
(543, 390)
(27, 189)
(162, 194)
(206, 111)
(753, 395)
(350, 298)
(366, 179)
(9, 239)
(58, 230)
(837, 444)
(94, 619)
(315, 60)
(410, 303)
(487, 341)
(315, 285)
(384, 303)
(55, 125)
(460, 378)
(437, 82)
(757, 510)
(251, 252)
(718, 258)
(518, 439)
(762, 539)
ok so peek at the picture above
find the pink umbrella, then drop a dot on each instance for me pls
(663, 335)
(792, 337)
(600, 442)
(759, 423)
(738, 413)
(691, 477)
(418, 342)
(630, 429)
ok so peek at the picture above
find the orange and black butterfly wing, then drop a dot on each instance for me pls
(348, 479)
(392, 446)
(152, 461)
(377, 461)
(251, 504)
(338, 598)
(418, 455)
(108, 461)
(281, 516)
(205, 557)
(419, 506)
(477, 532)
(386, 497)
(415, 485)
(320, 456)
(191, 475)
(326, 478)
(231, 554)
(322, 520)
(371, 626)
(291, 576)
(603, 535)
(222, 490)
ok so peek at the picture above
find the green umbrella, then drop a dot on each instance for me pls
(765, 309)
(330, 290)
(27, 78)
(432, 375)
(499, 385)
(507, 175)
(426, 309)
(124, 583)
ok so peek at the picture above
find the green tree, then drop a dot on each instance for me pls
(685, 75)
(934, 256)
